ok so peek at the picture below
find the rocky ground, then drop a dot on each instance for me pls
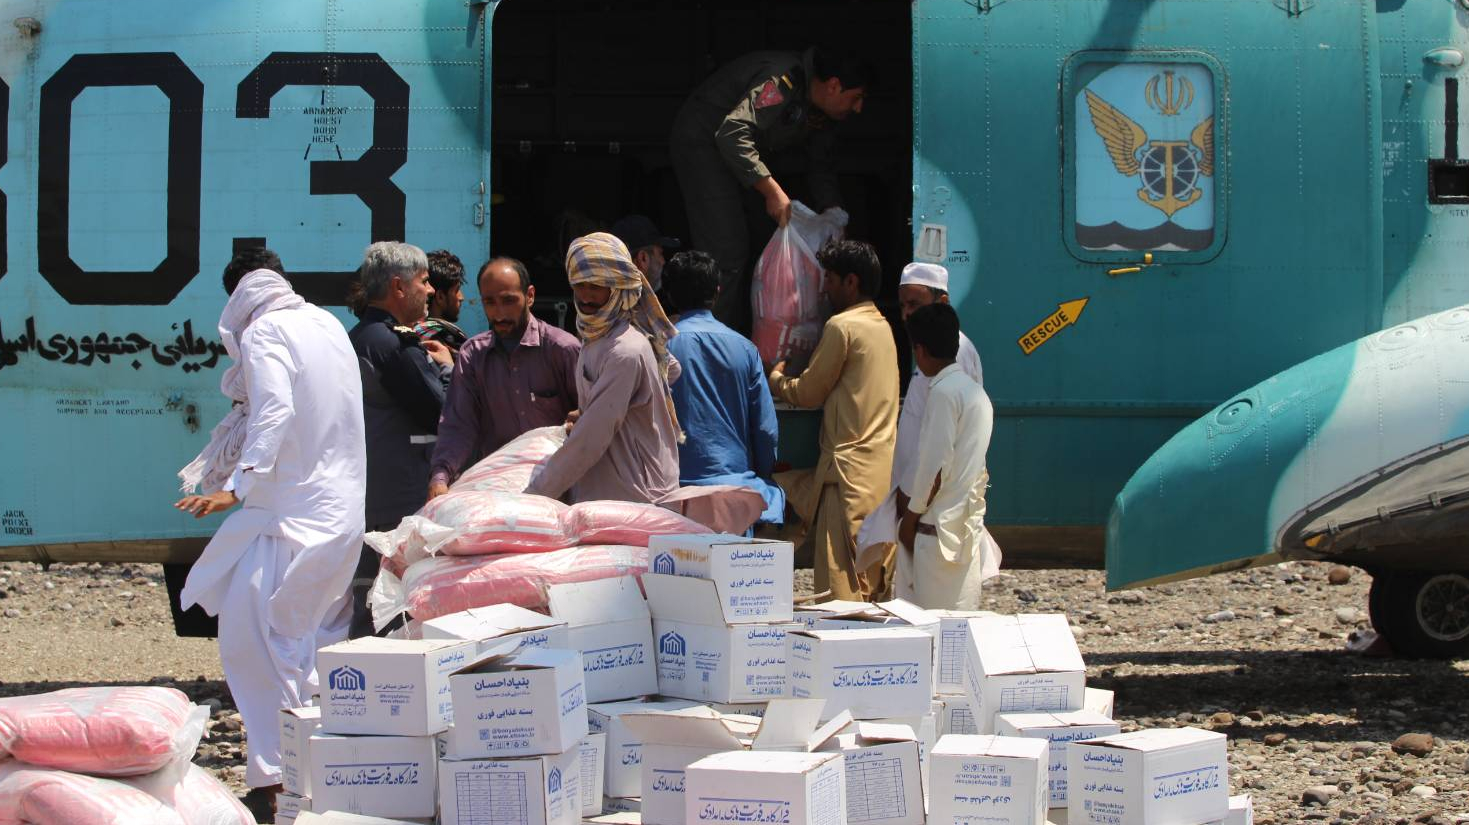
(1316, 733)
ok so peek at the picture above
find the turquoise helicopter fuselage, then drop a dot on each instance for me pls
(1253, 175)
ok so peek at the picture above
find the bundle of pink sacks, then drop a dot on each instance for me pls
(108, 756)
(488, 542)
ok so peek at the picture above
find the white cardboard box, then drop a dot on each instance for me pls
(523, 704)
(285, 819)
(756, 709)
(496, 624)
(390, 687)
(1163, 775)
(1060, 729)
(1018, 664)
(884, 785)
(886, 672)
(752, 576)
(615, 818)
(701, 655)
(624, 750)
(810, 614)
(375, 775)
(895, 613)
(997, 779)
(950, 649)
(608, 621)
(956, 717)
(784, 787)
(674, 740)
(1100, 701)
(1241, 811)
(592, 757)
(535, 790)
(343, 818)
(623, 805)
(297, 725)
(289, 804)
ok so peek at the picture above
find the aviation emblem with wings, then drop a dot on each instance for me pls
(1169, 170)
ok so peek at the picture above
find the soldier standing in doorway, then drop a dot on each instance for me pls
(759, 104)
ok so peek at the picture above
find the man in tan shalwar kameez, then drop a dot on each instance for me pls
(853, 377)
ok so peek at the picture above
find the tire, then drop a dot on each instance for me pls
(1423, 615)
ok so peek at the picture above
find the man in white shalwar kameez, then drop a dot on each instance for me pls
(277, 571)
(942, 538)
(920, 285)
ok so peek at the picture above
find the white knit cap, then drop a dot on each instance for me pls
(929, 275)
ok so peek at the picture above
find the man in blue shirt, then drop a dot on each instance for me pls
(722, 399)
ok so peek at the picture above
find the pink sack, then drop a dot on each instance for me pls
(439, 586)
(503, 469)
(42, 796)
(107, 731)
(200, 799)
(624, 522)
(486, 523)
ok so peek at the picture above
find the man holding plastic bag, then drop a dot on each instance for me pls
(759, 104)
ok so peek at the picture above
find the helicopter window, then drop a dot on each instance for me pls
(1142, 161)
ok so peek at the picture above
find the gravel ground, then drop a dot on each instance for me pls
(1259, 655)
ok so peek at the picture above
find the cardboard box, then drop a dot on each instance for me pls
(522, 704)
(884, 784)
(535, 790)
(783, 787)
(285, 819)
(617, 818)
(755, 709)
(608, 621)
(494, 625)
(622, 805)
(674, 740)
(389, 776)
(1099, 701)
(592, 757)
(343, 818)
(1019, 664)
(752, 576)
(988, 779)
(956, 717)
(809, 614)
(624, 750)
(872, 673)
(1241, 811)
(1149, 776)
(950, 649)
(289, 804)
(297, 726)
(389, 687)
(895, 613)
(926, 728)
(701, 655)
(1060, 729)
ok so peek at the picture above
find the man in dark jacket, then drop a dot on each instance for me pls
(760, 104)
(403, 383)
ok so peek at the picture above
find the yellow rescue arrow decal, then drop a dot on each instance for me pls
(1064, 316)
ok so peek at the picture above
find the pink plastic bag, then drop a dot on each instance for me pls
(200, 799)
(486, 523)
(786, 289)
(439, 586)
(624, 522)
(42, 796)
(509, 468)
(107, 731)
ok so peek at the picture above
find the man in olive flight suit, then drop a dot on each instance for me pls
(759, 104)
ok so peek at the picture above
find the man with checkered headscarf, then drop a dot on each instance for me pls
(623, 441)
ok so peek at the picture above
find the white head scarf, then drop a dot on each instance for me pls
(259, 292)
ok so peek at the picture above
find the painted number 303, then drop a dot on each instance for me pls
(369, 177)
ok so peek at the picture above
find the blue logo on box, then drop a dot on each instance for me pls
(671, 644)
(553, 781)
(663, 563)
(346, 678)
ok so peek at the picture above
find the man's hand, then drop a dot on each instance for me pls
(202, 506)
(436, 489)
(908, 531)
(571, 418)
(778, 367)
(439, 353)
(777, 204)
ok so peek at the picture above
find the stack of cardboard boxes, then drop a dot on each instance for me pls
(714, 700)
